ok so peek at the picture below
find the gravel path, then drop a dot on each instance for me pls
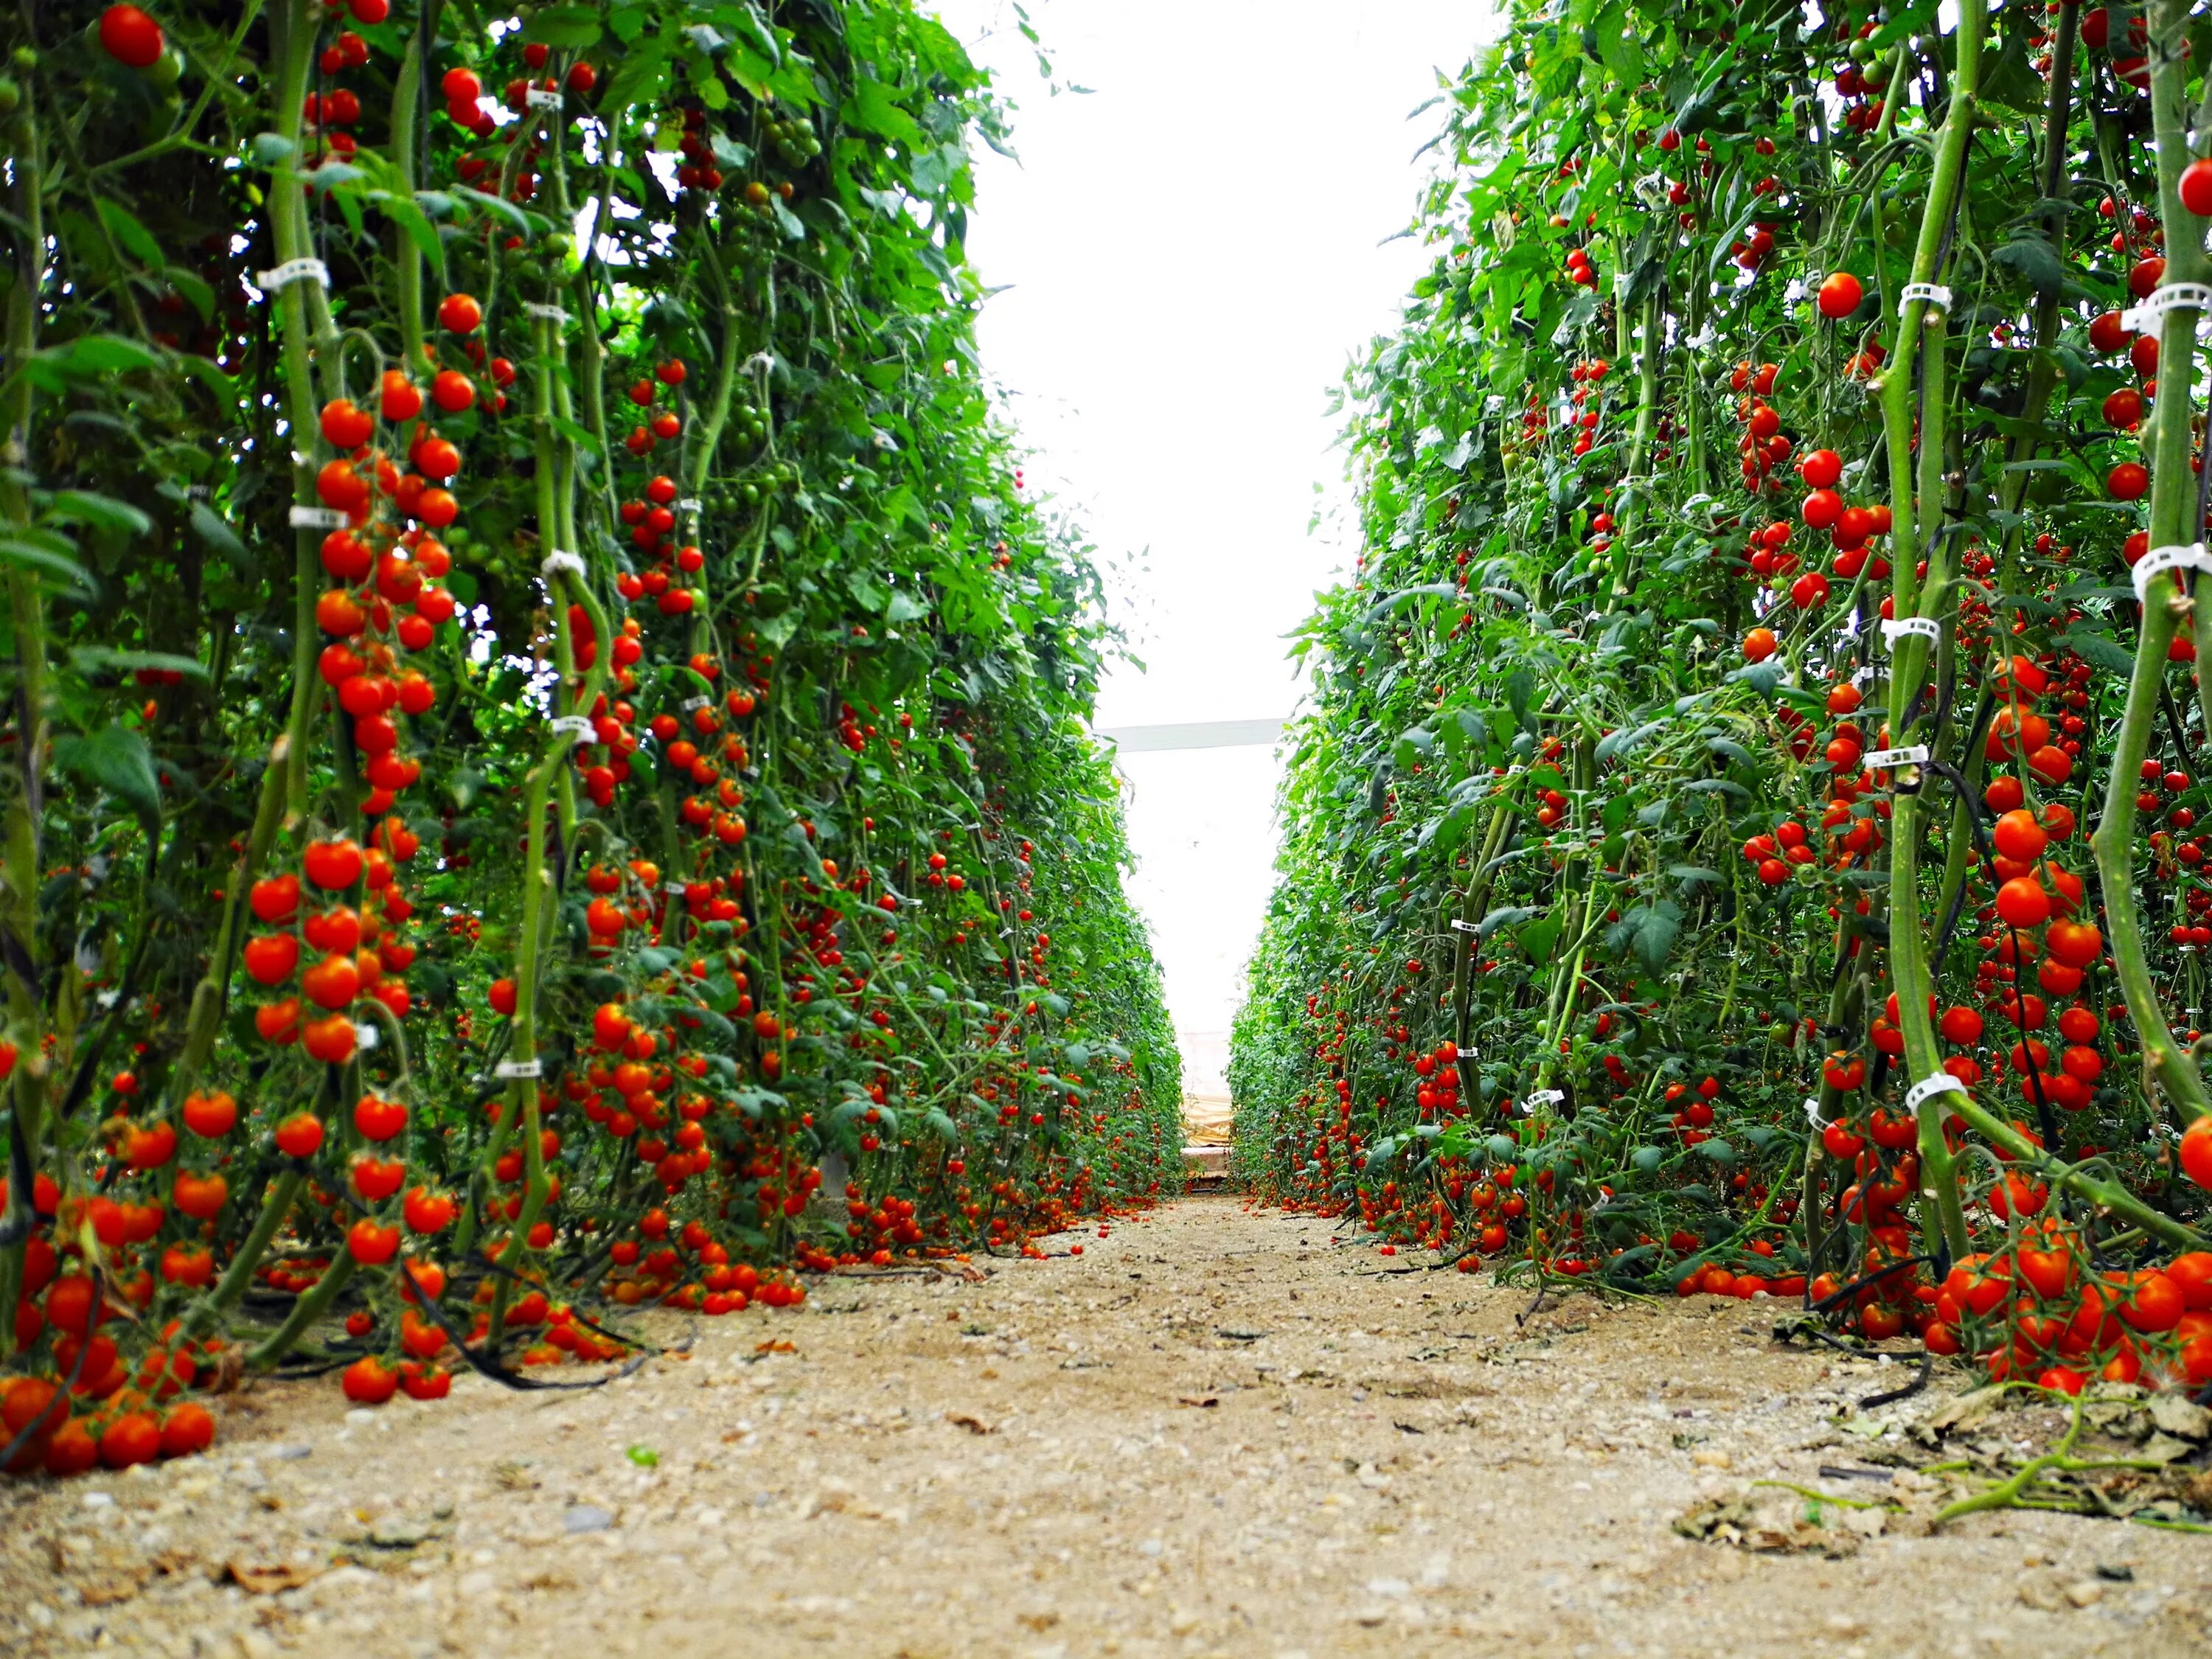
(1213, 1433)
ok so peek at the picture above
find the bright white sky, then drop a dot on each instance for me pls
(1192, 252)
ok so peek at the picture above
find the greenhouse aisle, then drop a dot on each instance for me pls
(1214, 1432)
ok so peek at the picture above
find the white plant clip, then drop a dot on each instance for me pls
(1813, 1112)
(1934, 294)
(509, 1070)
(692, 703)
(317, 517)
(1925, 628)
(538, 98)
(1461, 927)
(365, 1037)
(552, 314)
(1941, 1083)
(1883, 760)
(575, 727)
(2160, 560)
(2171, 296)
(292, 271)
(561, 562)
(1544, 1097)
(690, 504)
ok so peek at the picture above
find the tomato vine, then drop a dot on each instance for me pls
(1781, 550)
(547, 756)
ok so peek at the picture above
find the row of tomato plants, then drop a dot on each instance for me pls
(1743, 837)
(547, 768)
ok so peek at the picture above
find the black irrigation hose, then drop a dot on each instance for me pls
(1891, 1396)
(492, 1367)
(1836, 1343)
(1835, 1297)
(479, 1259)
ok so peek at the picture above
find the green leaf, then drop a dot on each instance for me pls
(92, 659)
(642, 77)
(1619, 743)
(137, 239)
(1648, 932)
(51, 555)
(2097, 650)
(210, 526)
(2035, 262)
(407, 213)
(90, 356)
(115, 759)
(873, 109)
(506, 209)
(573, 28)
(199, 292)
(103, 512)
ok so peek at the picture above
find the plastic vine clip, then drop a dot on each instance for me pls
(2160, 560)
(1813, 1112)
(2171, 296)
(317, 517)
(693, 703)
(1941, 1083)
(1884, 760)
(1925, 628)
(560, 562)
(1460, 925)
(282, 277)
(1544, 1097)
(512, 1069)
(690, 504)
(552, 314)
(1934, 294)
(538, 98)
(366, 1037)
(577, 726)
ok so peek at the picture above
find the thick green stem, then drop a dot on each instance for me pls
(310, 1305)
(2173, 508)
(208, 1311)
(1635, 486)
(293, 38)
(1921, 333)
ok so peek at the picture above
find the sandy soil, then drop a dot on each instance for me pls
(1213, 1433)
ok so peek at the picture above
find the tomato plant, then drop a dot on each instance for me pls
(1744, 833)
(546, 754)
